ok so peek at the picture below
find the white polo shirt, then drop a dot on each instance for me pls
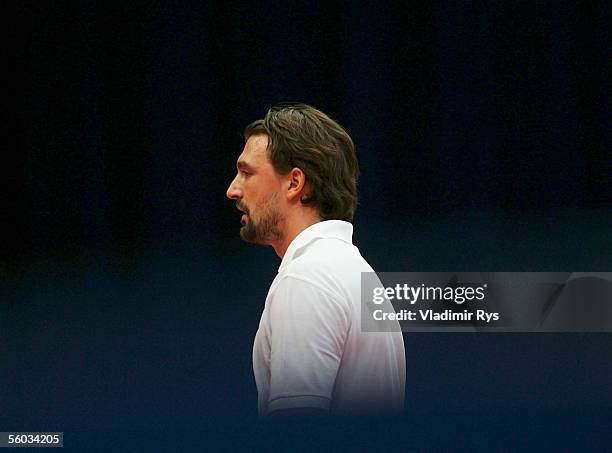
(309, 350)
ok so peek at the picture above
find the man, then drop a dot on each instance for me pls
(296, 185)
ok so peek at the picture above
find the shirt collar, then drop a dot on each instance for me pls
(327, 229)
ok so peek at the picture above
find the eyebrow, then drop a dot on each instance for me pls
(241, 164)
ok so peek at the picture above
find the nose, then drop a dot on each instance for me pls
(233, 191)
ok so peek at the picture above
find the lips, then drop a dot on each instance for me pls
(241, 209)
(245, 215)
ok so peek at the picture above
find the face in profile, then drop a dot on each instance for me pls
(256, 190)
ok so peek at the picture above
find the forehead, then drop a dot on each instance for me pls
(255, 152)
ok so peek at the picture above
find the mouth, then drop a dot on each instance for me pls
(243, 211)
(245, 214)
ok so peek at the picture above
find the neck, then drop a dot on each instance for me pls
(293, 227)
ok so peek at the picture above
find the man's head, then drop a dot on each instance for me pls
(296, 163)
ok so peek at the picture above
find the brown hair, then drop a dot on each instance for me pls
(302, 136)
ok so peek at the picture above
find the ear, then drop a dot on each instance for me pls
(296, 184)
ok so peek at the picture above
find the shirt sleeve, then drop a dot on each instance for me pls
(308, 328)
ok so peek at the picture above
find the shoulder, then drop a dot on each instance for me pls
(322, 258)
(309, 300)
(331, 265)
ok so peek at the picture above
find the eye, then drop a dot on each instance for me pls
(245, 173)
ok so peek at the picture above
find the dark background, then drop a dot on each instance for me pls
(129, 303)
